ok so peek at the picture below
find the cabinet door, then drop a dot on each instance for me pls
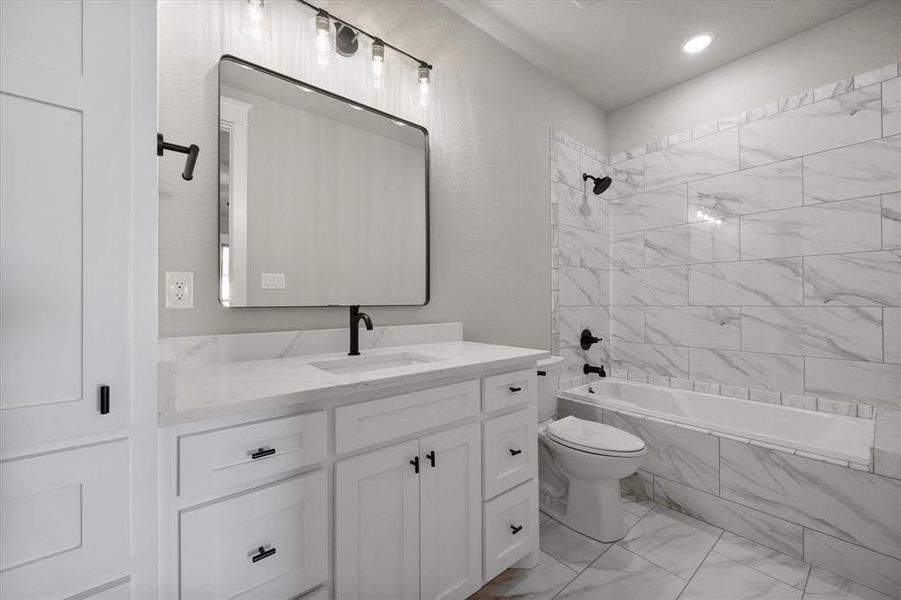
(451, 513)
(377, 525)
(65, 195)
(63, 521)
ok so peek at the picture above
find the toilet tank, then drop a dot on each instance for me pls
(547, 386)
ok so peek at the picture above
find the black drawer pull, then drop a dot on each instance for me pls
(262, 553)
(515, 389)
(515, 452)
(415, 463)
(542, 373)
(431, 456)
(516, 528)
(262, 453)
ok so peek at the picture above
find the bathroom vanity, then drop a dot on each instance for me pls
(407, 472)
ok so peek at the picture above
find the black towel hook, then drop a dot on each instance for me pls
(192, 151)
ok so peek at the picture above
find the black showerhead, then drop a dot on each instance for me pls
(600, 183)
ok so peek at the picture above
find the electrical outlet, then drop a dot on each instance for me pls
(179, 289)
(272, 281)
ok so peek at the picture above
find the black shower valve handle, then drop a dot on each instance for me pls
(586, 340)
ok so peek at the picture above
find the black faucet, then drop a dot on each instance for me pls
(355, 317)
(599, 371)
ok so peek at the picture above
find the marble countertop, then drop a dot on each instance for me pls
(229, 388)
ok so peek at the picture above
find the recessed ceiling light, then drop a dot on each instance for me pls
(697, 42)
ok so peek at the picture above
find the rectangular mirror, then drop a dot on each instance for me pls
(322, 201)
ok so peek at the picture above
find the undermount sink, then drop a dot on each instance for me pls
(363, 364)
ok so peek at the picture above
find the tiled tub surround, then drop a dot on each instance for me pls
(760, 255)
(844, 520)
(579, 255)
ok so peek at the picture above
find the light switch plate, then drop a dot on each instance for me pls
(179, 289)
(272, 281)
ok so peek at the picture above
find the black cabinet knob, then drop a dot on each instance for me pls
(516, 528)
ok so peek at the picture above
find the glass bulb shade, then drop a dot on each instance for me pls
(378, 72)
(254, 25)
(323, 40)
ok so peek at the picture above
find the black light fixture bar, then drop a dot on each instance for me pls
(419, 61)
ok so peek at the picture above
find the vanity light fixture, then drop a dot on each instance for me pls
(425, 75)
(323, 38)
(254, 27)
(378, 62)
(697, 42)
(347, 43)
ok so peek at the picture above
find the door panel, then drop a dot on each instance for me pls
(64, 521)
(65, 192)
(451, 513)
(377, 525)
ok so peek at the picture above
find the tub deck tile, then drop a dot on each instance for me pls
(689, 457)
(858, 507)
(762, 528)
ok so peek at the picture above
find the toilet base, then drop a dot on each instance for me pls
(595, 509)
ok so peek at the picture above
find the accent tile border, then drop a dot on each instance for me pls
(728, 436)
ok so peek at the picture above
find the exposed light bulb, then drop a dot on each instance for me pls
(254, 25)
(378, 63)
(323, 38)
(424, 77)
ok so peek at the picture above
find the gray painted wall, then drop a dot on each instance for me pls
(489, 182)
(851, 44)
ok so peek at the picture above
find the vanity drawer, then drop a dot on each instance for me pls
(227, 459)
(369, 423)
(509, 389)
(269, 543)
(510, 452)
(505, 543)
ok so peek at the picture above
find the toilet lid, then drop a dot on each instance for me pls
(593, 437)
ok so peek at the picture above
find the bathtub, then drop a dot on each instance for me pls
(840, 437)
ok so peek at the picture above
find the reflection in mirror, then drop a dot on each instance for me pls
(322, 202)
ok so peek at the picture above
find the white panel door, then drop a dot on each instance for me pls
(65, 122)
(63, 521)
(451, 513)
(377, 525)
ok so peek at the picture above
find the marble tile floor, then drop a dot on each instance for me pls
(665, 555)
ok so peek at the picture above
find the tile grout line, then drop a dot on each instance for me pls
(701, 564)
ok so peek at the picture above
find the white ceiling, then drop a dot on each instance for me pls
(619, 51)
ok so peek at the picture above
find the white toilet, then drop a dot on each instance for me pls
(581, 463)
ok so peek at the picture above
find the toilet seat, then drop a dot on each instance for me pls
(595, 438)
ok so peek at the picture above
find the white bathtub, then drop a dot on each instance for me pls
(836, 436)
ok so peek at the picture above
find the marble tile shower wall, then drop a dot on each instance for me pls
(758, 256)
(579, 261)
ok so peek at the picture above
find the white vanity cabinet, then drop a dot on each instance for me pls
(408, 519)
(422, 490)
